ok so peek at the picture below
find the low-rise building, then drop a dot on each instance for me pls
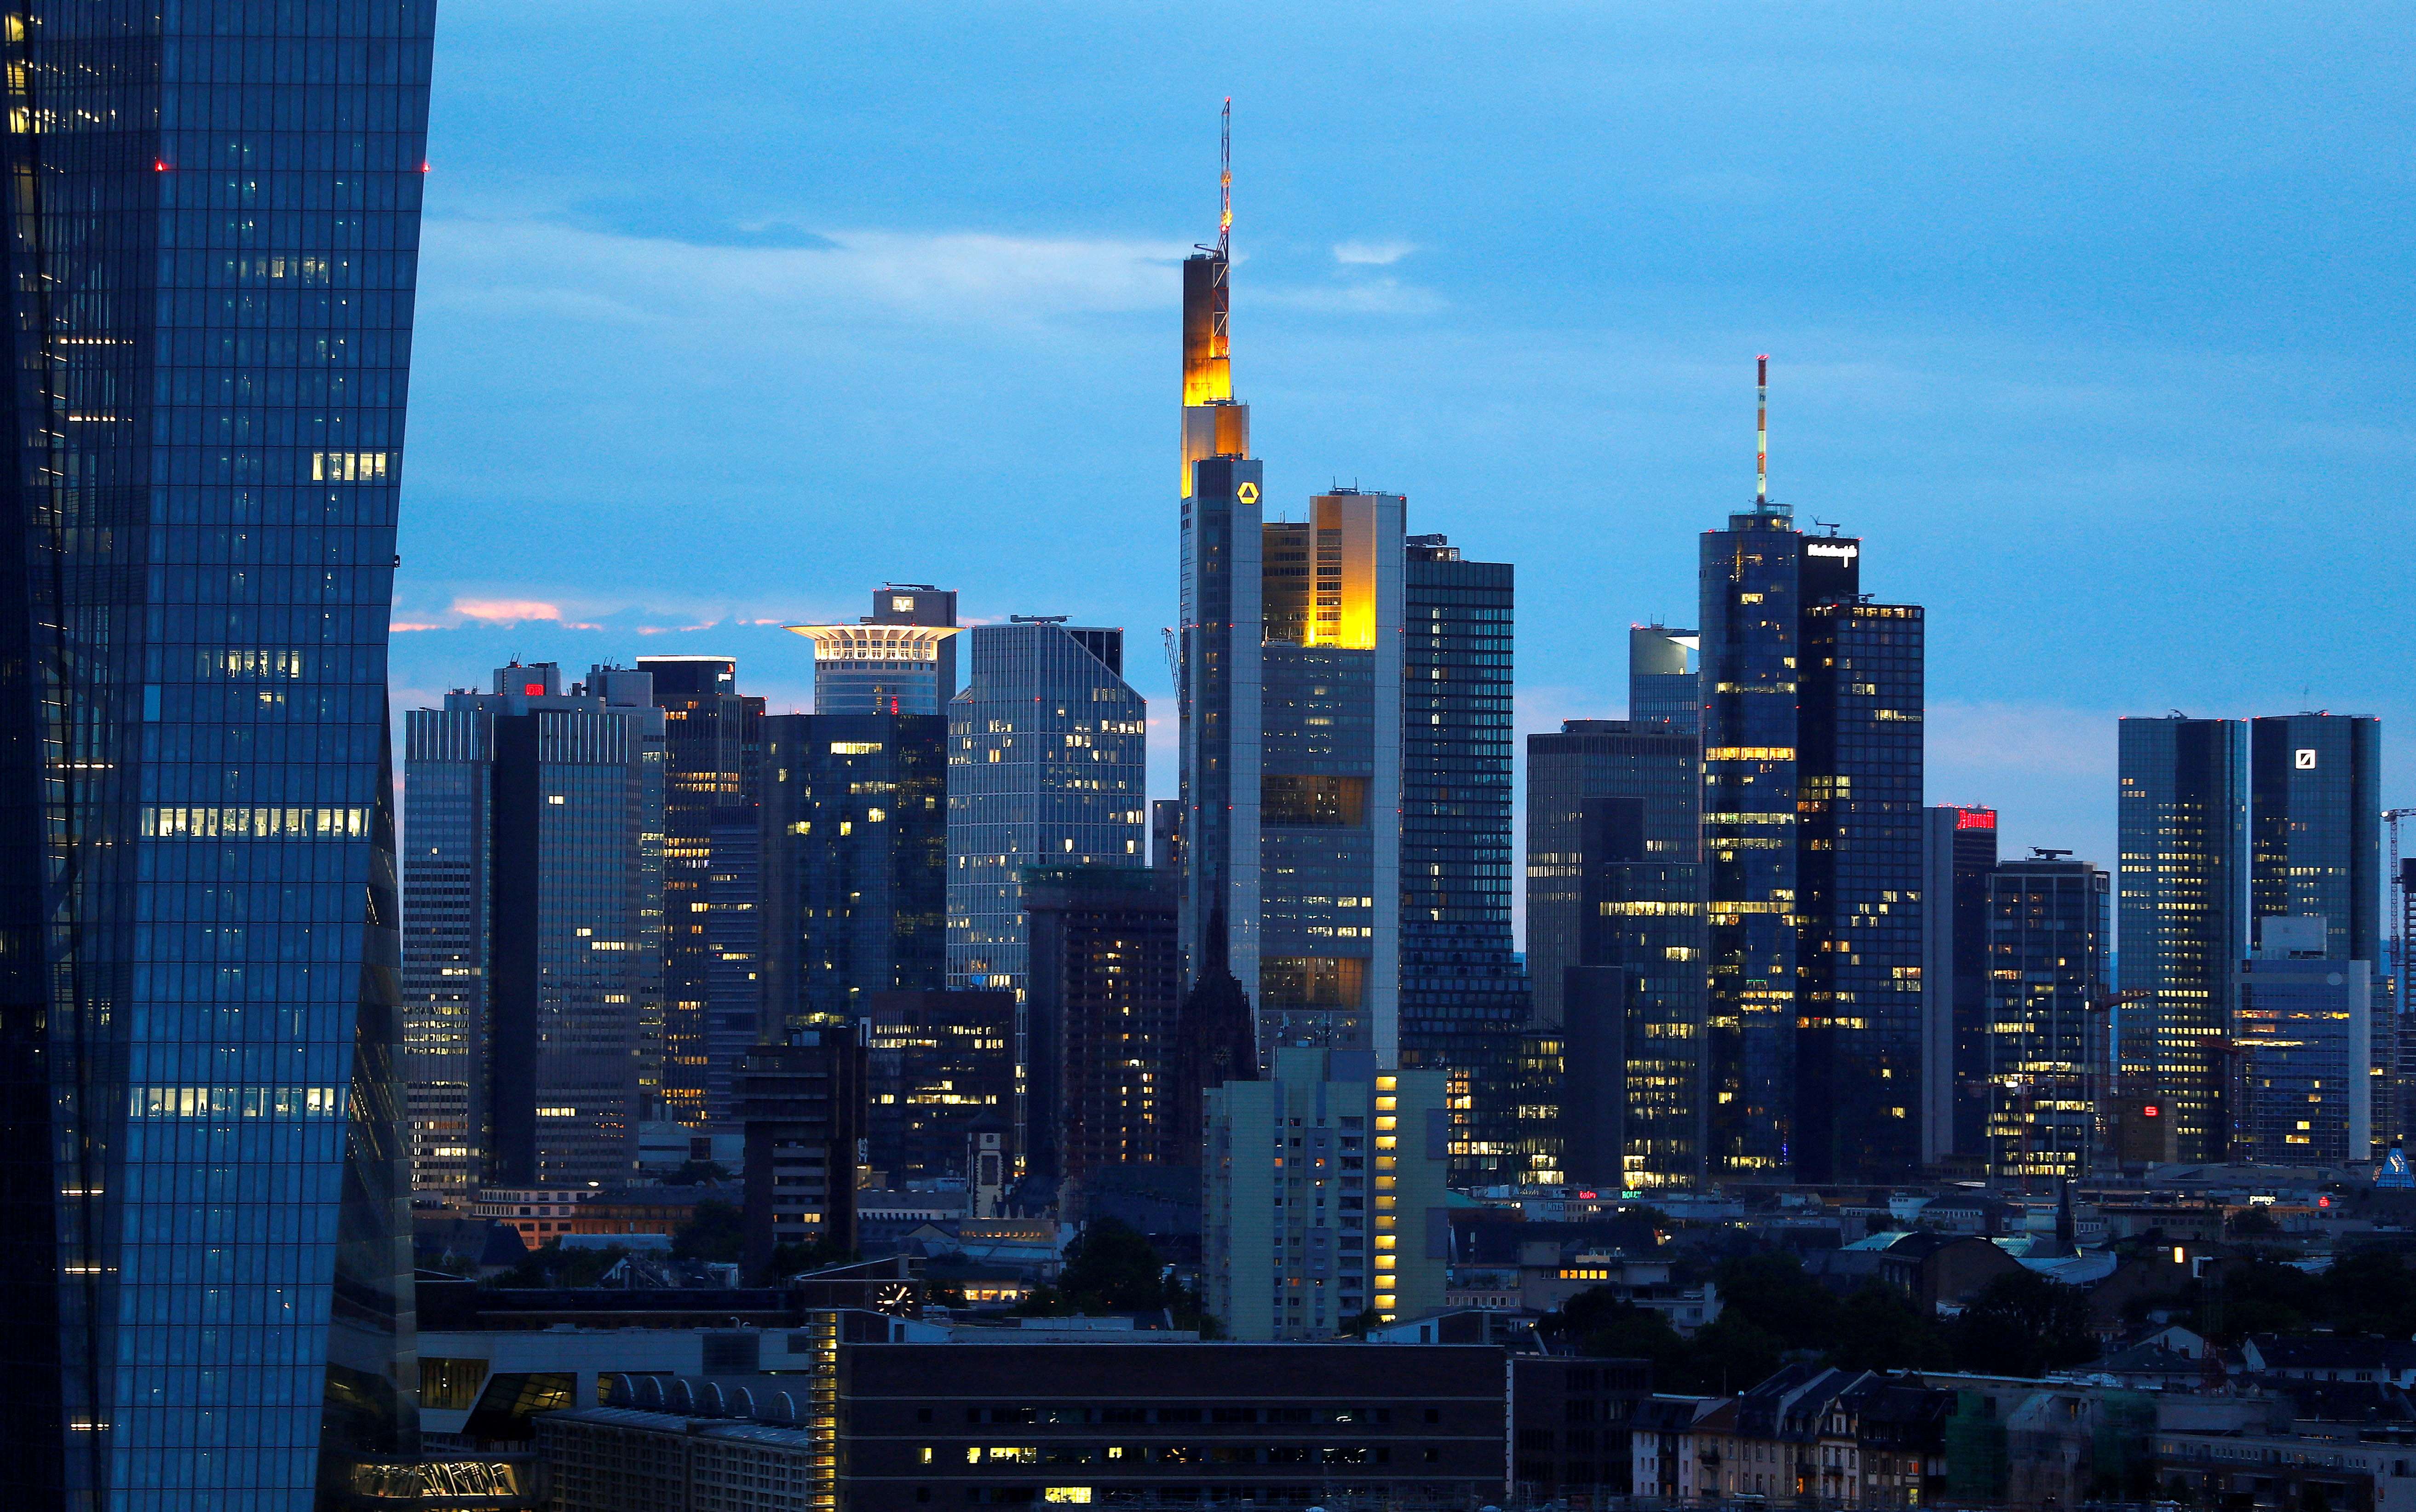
(1547, 1279)
(893, 1426)
(2331, 1357)
(1570, 1426)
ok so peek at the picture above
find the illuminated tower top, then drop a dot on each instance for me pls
(1213, 423)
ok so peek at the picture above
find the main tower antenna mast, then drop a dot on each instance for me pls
(1225, 186)
(1761, 432)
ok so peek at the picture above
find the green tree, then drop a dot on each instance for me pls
(696, 1174)
(1881, 1329)
(1727, 1356)
(2368, 1291)
(2023, 1324)
(1771, 1291)
(1112, 1268)
(715, 1232)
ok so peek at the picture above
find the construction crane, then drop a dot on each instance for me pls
(2396, 883)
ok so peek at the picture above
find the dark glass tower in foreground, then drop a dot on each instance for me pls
(212, 238)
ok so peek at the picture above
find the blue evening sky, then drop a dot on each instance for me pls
(2093, 321)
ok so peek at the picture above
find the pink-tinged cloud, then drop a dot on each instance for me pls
(515, 611)
(400, 628)
(505, 611)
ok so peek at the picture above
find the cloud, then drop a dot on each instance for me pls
(1372, 253)
(512, 267)
(494, 612)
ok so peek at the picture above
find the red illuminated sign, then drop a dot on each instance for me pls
(2149, 1110)
(1975, 819)
(534, 689)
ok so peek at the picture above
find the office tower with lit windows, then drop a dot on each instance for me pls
(900, 658)
(1104, 987)
(1752, 642)
(2314, 850)
(1330, 764)
(1595, 759)
(1662, 685)
(2046, 939)
(532, 960)
(1324, 1196)
(1046, 767)
(2315, 826)
(214, 228)
(714, 737)
(854, 863)
(801, 1103)
(1632, 1005)
(2305, 1043)
(1463, 992)
(1958, 853)
(935, 1062)
(1859, 885)
(2181, 916)
(1813, 853)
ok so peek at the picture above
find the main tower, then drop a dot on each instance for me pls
(1218, 661)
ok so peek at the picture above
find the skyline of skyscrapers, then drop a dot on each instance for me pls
(250, 1021)
(531, 958)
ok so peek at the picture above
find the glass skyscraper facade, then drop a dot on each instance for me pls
(2181, 916)
(1959, 851)
(1662, 686)
(1330, 753)
(2045, 940)
(855, 873)
(1859, 884)
(1632, 1113)
(213, 233)
(715, 740)
(1463, 992)
(1752, 638)
(2315, 827)
(1596, 759)
(1046, 767)
(533, 893)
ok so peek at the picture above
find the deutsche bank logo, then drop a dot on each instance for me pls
(2307, 759)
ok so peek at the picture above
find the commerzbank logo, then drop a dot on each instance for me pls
(1247, 493)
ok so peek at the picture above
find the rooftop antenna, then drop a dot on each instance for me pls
(1225, 186)
(1761, 432)
(1831, 524)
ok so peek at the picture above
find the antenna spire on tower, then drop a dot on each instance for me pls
(1761, 432)
(1225, 185)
